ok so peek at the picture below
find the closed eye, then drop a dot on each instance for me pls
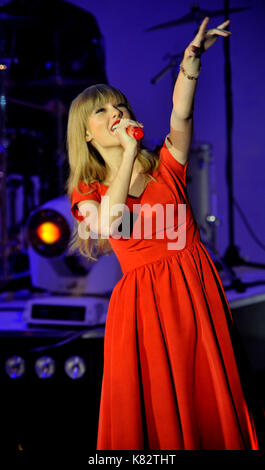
(121, 105)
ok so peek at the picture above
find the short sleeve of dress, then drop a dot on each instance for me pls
(78, 196)
(170, 166)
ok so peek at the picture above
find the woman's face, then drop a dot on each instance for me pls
(100, 123)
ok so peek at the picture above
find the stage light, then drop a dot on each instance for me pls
(211, 219)
(53, 267)
(15, 367)
(48, 232)
(75, 367)
(45, 367)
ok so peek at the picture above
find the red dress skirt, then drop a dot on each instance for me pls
(170, 378)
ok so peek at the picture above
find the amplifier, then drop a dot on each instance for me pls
(50, 391)
(66, 311)
(249, 315)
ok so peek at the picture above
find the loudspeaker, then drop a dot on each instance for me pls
(59, 414)
(249, 316)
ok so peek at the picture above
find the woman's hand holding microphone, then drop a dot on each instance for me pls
(129, 133)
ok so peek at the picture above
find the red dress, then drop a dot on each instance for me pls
(170, 378)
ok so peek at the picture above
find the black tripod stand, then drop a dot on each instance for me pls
(232, 257)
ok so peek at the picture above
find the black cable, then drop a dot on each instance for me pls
(247, 224)
(67, 340)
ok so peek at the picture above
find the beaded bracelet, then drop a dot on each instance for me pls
(190, 77)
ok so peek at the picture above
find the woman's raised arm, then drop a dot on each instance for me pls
(181, 121)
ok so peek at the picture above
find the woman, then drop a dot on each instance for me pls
(170, 377)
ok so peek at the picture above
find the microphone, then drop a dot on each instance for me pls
(136, 132)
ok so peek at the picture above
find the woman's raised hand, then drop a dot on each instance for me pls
(204, 38)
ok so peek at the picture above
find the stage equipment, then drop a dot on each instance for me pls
(231, 257)
(201, 189)
(50, 390)
(75, 367)
(70, 58)
(15, 367)
(249, 315)
(196, 14)
(22, 198)
(5, 243)
(66, 311)
(53, 266)
(36, 91)
(45, 367)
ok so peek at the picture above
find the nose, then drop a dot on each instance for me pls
(117, 112)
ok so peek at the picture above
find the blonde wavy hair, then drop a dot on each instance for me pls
(85, 162)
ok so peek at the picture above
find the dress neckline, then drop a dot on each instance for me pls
(130, 195)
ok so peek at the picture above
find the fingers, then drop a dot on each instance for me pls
(201, 32)
(223, 25)
(125, 137)
(219, 32)
(223, 32)
(202, 28)
(125, 122)
(121, 129)
(204, 39)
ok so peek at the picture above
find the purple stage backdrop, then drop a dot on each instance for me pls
(133, 57)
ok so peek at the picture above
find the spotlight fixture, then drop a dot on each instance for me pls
(53, 266)
(48, 232)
